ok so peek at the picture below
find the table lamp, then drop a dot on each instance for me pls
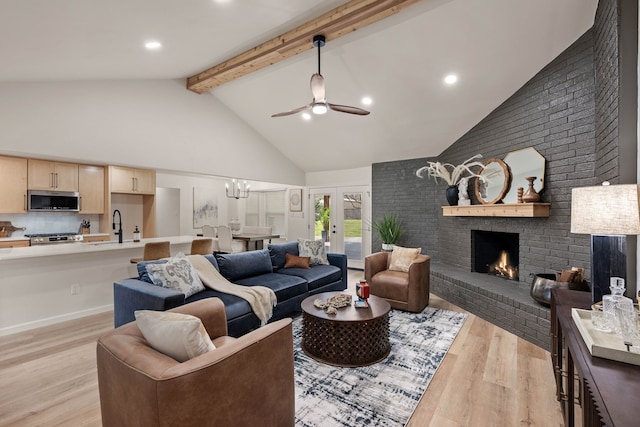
(608, 213)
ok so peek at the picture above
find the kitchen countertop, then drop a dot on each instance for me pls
(81, 248)
(13, 239)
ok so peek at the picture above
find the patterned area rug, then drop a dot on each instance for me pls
(384, 394)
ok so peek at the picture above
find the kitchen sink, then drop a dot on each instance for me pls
(109, 242)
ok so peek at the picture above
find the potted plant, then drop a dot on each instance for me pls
(450, 174)
(389, 228)
(324, 219)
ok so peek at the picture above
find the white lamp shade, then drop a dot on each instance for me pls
(605, 210)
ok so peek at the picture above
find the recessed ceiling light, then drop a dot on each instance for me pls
(153, 45)
(367, 100)
(451, 79)
(306, 116)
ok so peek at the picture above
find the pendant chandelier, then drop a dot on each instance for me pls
(235, 190)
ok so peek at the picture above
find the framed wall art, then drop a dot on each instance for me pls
(205, 207)
(295, 200)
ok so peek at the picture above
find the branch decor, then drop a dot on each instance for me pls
(449, 173)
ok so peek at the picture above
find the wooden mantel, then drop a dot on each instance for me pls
(520, 210)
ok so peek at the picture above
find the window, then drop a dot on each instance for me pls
(267, 209)
(275, 204)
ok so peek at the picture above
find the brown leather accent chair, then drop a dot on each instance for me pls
(404, 291)
(202, 246)
(245, 381)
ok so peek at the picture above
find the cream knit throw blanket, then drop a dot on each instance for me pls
(260, 298)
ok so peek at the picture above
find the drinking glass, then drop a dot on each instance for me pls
(628, 319)
(599, 320)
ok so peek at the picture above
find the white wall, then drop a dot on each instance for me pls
(152, 123)
(339, 178)
(227, 208)
(186, 183)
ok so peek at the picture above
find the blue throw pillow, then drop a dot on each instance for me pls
(244, 264)
(279, 253)
(142, 269)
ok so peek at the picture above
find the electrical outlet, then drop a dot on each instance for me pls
(75, 289)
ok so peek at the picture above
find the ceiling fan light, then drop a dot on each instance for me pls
(319, 108)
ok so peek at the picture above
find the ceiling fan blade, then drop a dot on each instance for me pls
(317, 87)
(348, 109)
(290, 112)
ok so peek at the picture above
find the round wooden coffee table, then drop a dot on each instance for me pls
(353, 337)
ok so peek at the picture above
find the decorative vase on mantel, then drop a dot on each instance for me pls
(452, 195)
(530, 195)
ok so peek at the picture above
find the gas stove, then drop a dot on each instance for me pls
(49, 238)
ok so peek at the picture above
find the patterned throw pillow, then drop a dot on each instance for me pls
(313, 249)
(180, 336)
(402, 258)
(178, 274)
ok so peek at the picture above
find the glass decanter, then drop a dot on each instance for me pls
(615, 300)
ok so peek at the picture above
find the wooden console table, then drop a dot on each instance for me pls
(592, 391)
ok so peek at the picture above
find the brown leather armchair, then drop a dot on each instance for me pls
(246, 381)
(404, 291)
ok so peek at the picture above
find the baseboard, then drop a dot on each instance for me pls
(53, 320)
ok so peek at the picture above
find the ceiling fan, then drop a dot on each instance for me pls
(319, 105)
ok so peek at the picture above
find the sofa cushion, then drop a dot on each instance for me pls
(142, 267)
(244, 264)
(314, 249)
(317, 276)
(233, 306)
(285, 286)
(180, 336)
(293, 261)
(178, 274)
(278, 253)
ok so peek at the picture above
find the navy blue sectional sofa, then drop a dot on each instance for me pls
(262, 267)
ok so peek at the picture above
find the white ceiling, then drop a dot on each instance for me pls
(494, 46)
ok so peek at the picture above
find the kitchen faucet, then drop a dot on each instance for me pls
(119, 232)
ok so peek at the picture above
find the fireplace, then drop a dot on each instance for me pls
(495, 253)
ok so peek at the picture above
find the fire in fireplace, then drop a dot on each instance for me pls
(503, 267)
(495, 253)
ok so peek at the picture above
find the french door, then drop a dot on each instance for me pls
(340, 217)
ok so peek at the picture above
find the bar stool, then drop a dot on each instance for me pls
(202, 246)
(154, 250)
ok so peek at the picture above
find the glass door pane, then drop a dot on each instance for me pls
(352, 225)
(322, 218)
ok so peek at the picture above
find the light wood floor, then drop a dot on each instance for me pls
(488, 378)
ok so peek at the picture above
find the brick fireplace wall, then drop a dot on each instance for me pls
(578, 112)
(554, 113)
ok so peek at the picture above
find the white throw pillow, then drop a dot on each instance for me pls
(180, 336)
(177, 273)
(402, 258)
(314, 249)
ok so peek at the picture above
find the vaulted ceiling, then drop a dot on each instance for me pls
(493, 46)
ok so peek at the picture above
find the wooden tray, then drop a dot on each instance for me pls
(6, 228)
(602, 344)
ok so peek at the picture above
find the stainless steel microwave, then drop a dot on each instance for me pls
(53, 201)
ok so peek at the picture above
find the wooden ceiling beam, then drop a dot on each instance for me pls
(336, 23)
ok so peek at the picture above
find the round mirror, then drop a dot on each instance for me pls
(524, 163)
(493, 182)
